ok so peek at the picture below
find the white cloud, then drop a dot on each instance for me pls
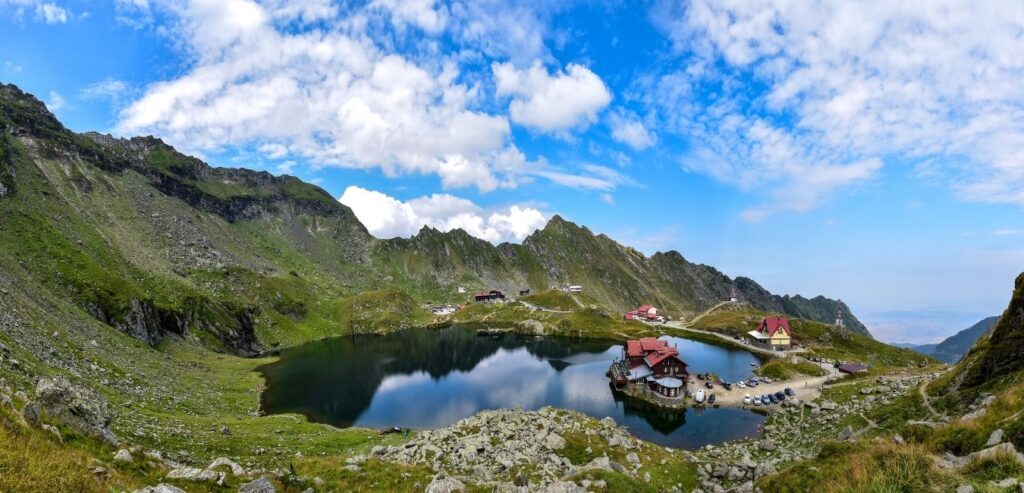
(551, 102)
(628, 130)
(52, 13)
(424, 14)
(110, 89)
(1006, 232)
(848, 85)
(388, 217)
(55, 102)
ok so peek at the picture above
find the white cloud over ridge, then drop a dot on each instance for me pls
(551, 102)
(313, 84)
(848, 85)
(387, 217)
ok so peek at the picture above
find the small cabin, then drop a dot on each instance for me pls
(852, 368)
(575, 288)
(492, 295)
(524, 292)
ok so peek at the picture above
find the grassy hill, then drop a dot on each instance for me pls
(820, 339)
(925, 441)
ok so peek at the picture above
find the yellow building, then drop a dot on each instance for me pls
(773, 332)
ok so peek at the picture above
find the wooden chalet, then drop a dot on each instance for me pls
(652, 363)
(773, 332)
(492, 295)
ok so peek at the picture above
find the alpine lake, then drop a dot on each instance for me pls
(432, 378)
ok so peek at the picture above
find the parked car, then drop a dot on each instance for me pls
(709, 385)
(757, 401)
(772, 398)
(727, 385)
(711, 399)
(766, 380)
(765, 400)
(700, 376)
(741, 385)
(790, 392)
(746, 399)
(780, 396)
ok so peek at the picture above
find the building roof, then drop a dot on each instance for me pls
(639, 372)
(661, 354)
(771, 325)
(669, 382)
(644, 308)
(644, 345)
(852, 368)
(757, 335)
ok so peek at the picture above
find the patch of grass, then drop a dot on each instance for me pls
(552, 299)
(843, 467)
(783, 369)
(997, 467)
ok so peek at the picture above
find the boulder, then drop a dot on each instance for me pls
(31, 414)
(123, 455)
(236, 469)
(554, 442)
(77, 407)
(262, 485)
(995, 438)
(5, 401)
(160, 488)
(829, 406)
(564, 487)
(846, 433)
(442, 483)
(632, 458)
(193, 474)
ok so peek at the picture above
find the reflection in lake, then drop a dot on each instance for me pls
(432, 378)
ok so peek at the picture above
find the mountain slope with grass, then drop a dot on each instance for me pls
(962, 430)
(956, 346)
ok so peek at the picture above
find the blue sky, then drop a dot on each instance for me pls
(869, 152)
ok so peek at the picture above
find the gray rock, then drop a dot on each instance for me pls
(966, 488)
(53, 431)
(193, 474)
(632, 458)
(5, 401)
(554, 442)
(123, 455)
(846, 433)
(262, 485)
(31, 414)
(77, 407)
(995, 438)
(236, 469)
(442, 483)
(160, 488)
(829, 406)
(619, 468)
(564, 487)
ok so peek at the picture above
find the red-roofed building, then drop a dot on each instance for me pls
(645, 313)
(652, 362)
(773, 332)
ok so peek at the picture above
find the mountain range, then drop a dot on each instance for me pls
(154, 242)
(954, 347)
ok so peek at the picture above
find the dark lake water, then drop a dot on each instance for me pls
(433, 378)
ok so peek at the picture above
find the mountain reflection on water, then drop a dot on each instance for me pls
(433, 378)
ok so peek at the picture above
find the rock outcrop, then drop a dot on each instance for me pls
(77, 407)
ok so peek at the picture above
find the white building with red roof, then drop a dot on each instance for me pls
(774, 332)
(645, 313)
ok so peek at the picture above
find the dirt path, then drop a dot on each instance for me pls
(748, 347)
(806, 388)
(922, 389)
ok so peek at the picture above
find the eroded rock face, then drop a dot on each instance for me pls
(77, 407)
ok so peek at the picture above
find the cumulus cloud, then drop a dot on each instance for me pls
(388, 217)
(52, 13)
(628, 130)
(551, 102)
(847, 85)
(266, 76)
(55, 102)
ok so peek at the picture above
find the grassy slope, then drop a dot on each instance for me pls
(821, 339)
